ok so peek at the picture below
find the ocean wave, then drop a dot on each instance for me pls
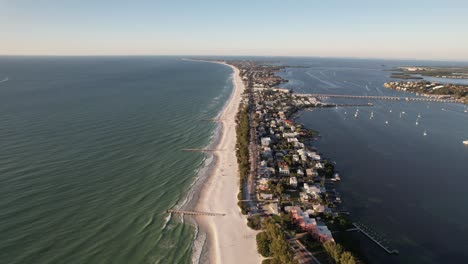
(167, 219)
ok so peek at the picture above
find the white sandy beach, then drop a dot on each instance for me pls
(230, 239)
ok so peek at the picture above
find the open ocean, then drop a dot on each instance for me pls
(409, 188)
(90, 156)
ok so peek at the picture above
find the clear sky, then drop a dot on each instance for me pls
(327, 28)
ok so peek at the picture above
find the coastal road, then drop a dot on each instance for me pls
(250, 190)
(302, 255)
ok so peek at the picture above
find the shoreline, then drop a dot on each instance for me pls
(226, 239)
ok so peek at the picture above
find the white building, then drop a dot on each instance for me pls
(266, 141)
(293, 182)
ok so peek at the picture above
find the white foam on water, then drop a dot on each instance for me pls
(167, 220)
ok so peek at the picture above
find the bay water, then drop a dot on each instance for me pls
(403, 164)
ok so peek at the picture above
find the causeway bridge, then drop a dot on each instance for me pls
(381, 97)
(186, 212)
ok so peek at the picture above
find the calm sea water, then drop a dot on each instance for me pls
(90, 156)
(408, 187)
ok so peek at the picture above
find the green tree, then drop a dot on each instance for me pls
(347, 258)
(263, 244)
(279, 189)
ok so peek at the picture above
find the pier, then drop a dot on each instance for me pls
(186, 212)
(215, 120)
(203, 150)
(360, 228)
(394, 98)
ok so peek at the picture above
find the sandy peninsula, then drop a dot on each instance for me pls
(230, 240)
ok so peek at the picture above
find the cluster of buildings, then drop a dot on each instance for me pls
(290, 178)
(259, 76)
(284, 159)
(430, 89)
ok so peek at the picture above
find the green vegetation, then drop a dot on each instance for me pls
(455, 91)
(405, 76)
(254, 222)
(328, 169)
(272, 243)
(242, 150)
(337, 253)
(441, 72)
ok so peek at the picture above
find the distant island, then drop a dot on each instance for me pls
(415, 72)
(432, 89)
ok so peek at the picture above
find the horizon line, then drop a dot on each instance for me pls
(229, 55)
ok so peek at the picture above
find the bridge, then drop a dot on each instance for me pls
(186, 212)
(361, 228)
(394, 98)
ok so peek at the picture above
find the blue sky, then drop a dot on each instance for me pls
(376, 29)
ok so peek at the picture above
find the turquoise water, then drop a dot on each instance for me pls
(90, 156)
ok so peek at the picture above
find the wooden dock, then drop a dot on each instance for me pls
(360, 228)
(394, 98)
(215, 120)
(186, 212)
(203, 150)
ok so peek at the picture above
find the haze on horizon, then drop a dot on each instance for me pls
(432, 30)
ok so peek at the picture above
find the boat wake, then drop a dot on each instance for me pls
(4, 80)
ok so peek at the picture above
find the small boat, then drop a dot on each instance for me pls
(417, 123)
(419, 115)
(425, 133)
(390, 110)
(465, 142)
(386, 122)
(336, 177)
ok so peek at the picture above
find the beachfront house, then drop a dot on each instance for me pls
(293, 182)
(322, 233)
(271, 208)
(283, 168)
(311, 172)
(266, 196)
(265, 141)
